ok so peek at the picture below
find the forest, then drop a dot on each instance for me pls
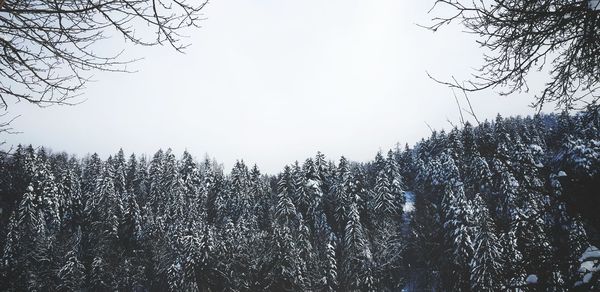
(509, 204)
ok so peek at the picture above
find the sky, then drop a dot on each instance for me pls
(272, 82)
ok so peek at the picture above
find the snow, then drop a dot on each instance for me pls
(409, 205)
(311, 183)
(531, 279)
(514, 183)
(536, 148)
(587, 266)
(562, 174)
(587, 277)
(594, 4)
(591, 253)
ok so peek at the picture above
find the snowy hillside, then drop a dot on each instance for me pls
(506, 204)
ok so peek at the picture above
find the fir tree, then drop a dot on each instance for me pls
(486, 264)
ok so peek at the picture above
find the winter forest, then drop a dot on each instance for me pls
(509, 204)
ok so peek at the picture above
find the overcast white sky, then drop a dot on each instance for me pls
(275, 81)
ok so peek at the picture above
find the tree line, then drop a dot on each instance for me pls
(504, 205)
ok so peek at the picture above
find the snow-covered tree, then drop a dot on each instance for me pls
(486, 264)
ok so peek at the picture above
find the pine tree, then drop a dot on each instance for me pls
(238, 193)
(338, 200)
(46, 189)
(155, 190)
(91, 173)
(486, 264)
(499, 206)
(28, 245)
(288, 262)
(356, 255)
(386, 213)
(329, 281)
(457, 216)
(71, 274)
(384, 203)
(104, 211)
(298, 184)
(190, 183)
(285, 211)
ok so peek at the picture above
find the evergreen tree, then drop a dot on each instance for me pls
(356, 255)
(27, 246)
(457, 222)
(71, 274)
(486, 264)
(506, 205)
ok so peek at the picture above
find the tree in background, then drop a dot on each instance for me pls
(486, 263)
(509, 218)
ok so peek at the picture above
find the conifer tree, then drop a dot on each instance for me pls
(71, 275)
(300, 195)
(27, 245)
(486, 264)
(287, 261)
(91, 173)
(499, 206)
(456, 215)
(356, 255)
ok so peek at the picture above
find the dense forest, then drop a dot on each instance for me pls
(510, 204)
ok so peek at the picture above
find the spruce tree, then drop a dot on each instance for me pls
(486, 264)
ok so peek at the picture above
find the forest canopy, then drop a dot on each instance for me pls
(511, 203)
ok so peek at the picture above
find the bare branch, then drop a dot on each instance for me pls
(48, 49)
(462, 118)
(519, 37)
